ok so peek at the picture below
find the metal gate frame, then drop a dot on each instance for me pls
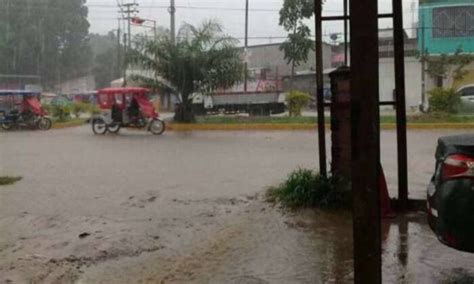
(399, 102)
(365, 132)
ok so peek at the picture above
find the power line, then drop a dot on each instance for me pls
(47, 7)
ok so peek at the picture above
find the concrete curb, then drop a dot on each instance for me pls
(302, 126)
(62, 125)
(235, 127)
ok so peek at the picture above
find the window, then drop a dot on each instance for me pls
(455, 21)
(467, 92)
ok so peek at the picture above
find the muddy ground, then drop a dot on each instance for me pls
(188, 208)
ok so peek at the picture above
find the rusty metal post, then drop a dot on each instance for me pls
(320, 88)
(346, 45)
(341, 122)
(399, 49)
(365, 141)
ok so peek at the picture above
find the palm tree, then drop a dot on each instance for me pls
(202, 60)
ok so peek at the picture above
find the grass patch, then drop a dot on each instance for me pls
(305, 188)
(69, 123)
(310, 120)
(441, 118)
(7, 180)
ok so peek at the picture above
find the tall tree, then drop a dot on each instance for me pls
(44, 37)
(448, 66)
(203, 59)
(299, 44)
(107, 54)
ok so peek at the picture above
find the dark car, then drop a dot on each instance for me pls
(451, 193)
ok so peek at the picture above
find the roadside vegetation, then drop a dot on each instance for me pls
(385, 119)
(296, 101)
(69, 115)
(8, 180)
(305, 188)
(444, 101)
(69, 123)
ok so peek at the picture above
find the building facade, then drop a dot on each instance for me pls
(446, 26)
(270, 57)
(80, 85)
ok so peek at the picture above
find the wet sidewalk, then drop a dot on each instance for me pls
(263, 244)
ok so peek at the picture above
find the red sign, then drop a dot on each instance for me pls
(137, 20)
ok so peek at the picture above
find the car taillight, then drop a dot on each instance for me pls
(458, 166)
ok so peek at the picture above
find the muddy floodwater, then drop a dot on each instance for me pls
(189, 208)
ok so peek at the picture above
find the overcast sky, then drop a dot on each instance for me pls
(263, 16)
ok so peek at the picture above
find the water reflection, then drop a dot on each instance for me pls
(334, 234)
(458, 276)
(410, 252)
(403, 246)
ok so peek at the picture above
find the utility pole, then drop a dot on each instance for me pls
(172, 11)
(127, 15)
(246, 44)
(119, 49)
(124, 62)
(423, 67)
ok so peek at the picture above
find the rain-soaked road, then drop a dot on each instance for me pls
(186, 207)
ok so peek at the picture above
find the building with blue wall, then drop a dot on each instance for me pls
(446, 25)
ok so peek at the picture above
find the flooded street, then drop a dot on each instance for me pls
(189, 208)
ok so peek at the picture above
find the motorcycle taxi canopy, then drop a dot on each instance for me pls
(9, 98)
(146, 107)
(34, 105)
(138, 93)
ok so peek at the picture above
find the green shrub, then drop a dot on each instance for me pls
(79, 108)
(61, 112)
(444, 100)
(48, 108)
(296, 101)
(306, 188)
(94, 109)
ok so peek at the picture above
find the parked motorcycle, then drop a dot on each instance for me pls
(26, 120)
(22, 109)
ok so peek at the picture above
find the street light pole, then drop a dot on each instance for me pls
(130, 9)
(139, 23)
(172, 11)
(119, 49)
(246, 44)
(423, 66)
